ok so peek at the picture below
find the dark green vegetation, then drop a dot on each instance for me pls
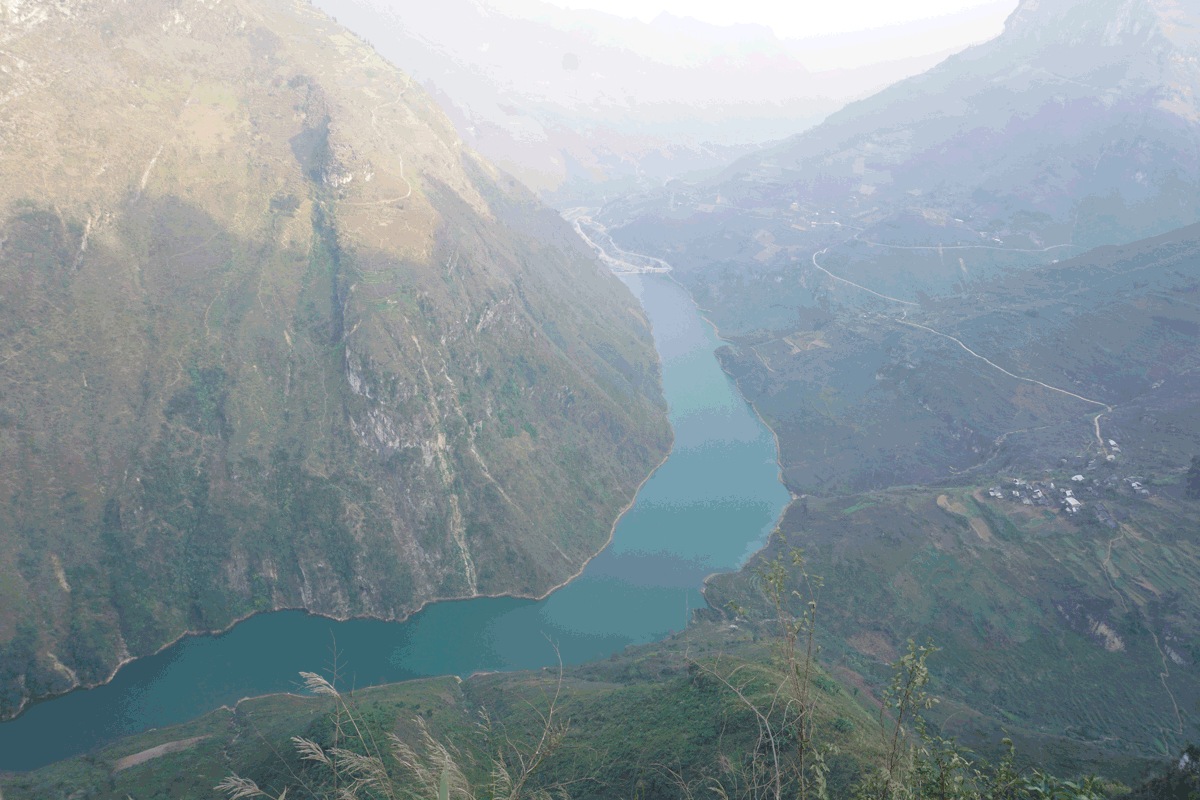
(347, 382)
(1180, 782)
(273, 338)
(1191, 481)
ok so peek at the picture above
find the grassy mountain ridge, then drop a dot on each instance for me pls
(274, 338)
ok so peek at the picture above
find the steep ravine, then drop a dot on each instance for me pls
(273, 338)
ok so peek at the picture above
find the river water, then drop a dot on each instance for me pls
(705, 510)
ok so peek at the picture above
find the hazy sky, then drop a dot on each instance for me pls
(838, 34)
(800, 19)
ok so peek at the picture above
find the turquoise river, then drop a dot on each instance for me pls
(705, 510)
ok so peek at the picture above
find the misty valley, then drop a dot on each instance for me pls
(509, 400)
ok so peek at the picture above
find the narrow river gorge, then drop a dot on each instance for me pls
(705, 510)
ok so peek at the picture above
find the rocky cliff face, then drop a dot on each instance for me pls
(273, 337)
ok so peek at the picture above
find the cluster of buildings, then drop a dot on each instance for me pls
(1113, 482)
(1047, 494)
(1040, 493)
(1114, 450)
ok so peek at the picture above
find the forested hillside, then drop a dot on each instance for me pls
(274, 338)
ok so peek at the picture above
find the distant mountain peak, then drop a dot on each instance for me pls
(1109, 23)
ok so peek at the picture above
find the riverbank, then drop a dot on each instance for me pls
(695, 514)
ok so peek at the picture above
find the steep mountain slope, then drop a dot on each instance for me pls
(273, 337)
(1081, 115)
(1055, 620)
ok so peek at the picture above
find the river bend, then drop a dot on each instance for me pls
(705, 510)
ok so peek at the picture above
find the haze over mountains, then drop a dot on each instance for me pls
(581, 105)
(263, 308)
(1085, 113)
(1077, 125)
(1072, 129)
